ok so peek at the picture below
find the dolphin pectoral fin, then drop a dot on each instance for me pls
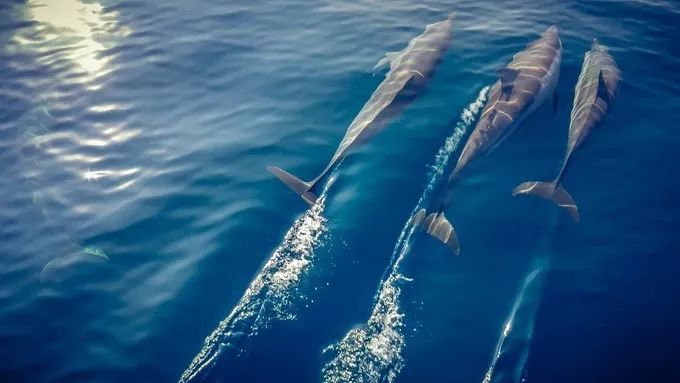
(438, 226)
(602, 91)
(556, 102)
(552, 192)
(385, 61)
(297, 185)
(382, 64)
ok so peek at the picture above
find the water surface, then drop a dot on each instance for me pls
(134, 137)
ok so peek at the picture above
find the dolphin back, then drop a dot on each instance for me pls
(410, 69)
(520, 89)
(594, 94)
(595, 91)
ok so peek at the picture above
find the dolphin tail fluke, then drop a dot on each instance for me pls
(299, 186)
(552, 192)
(438, 226)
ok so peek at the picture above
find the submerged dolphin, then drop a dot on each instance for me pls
(86, 255)
(409, 72)
(524, 84)
(595, 92)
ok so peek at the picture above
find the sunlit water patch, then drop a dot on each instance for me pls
(373, 352)
(74, 30)
(69, 135)
(272, 295)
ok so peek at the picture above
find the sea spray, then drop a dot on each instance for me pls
(373, 352)
(272, 294)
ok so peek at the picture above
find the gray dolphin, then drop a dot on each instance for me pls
(595, 92)
(524, 84)
(410, 69)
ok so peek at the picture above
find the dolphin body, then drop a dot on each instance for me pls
(410, 70)
(594, 95)
(523, 85)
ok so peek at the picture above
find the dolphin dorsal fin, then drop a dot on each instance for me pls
(386, 61)
(507, 77)
(602, 91)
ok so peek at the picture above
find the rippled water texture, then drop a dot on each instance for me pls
(142, 240)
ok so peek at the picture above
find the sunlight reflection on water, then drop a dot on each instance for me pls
(70, 29)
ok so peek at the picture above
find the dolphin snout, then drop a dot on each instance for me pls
(553, 29)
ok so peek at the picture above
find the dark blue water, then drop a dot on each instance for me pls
(137, 218)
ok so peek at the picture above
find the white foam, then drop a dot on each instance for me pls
(373, 352)
(272, 294)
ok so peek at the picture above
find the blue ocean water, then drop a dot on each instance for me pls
(137, 218)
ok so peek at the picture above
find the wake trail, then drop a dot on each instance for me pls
(508, 363)
(373, 352)
(273, 293)
(512, 349)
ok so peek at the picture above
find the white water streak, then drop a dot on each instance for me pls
(522, 296)
(272, 294)
(372, 353)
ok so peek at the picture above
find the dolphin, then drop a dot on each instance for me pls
(594, 95)
(410, 70)
(522, 87)
(83, 256)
